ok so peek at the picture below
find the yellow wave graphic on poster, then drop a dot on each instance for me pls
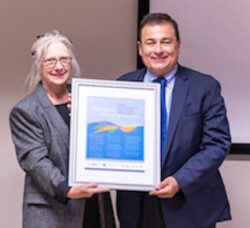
(112, 128)
(128, 128)
(109, 128)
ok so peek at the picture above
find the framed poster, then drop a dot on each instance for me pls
(115, 134)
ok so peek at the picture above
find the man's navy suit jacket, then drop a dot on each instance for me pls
(198, 141)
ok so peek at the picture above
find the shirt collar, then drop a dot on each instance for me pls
(168, 76)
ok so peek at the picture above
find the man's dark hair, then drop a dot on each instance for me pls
(158, 18)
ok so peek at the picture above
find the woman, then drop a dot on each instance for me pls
(40, 132)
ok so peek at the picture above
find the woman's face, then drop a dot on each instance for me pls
(56, 66)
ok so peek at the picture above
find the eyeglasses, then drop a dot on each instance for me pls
(64, 61)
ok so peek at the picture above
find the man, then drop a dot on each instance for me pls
(191, 193)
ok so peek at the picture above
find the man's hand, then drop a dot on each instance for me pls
(85, 191)
(167, 188)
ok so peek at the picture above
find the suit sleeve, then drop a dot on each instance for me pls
(215, 144)
(32, 152)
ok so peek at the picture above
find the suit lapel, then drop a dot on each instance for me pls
(140, 76)
(57, 121)
(178, 98)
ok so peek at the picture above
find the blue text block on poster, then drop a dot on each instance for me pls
(115, 128)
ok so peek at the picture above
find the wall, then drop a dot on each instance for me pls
(104, 34)
(236, 174)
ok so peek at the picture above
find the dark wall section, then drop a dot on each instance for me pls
(142, 10)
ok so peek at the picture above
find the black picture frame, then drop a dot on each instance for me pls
(143, 8)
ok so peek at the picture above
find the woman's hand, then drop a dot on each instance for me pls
(85, 191)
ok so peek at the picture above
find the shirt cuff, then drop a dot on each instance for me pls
(61, 192)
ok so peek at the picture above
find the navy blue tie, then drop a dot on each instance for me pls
(164, 120)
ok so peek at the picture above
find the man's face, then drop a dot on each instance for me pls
(159, 48)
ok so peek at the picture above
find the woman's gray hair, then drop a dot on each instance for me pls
(38, 51)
